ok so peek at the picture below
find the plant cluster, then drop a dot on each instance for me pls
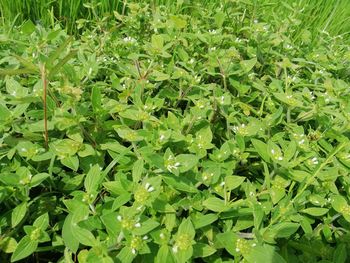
(160, 137)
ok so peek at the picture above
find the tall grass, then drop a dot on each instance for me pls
(316, 16)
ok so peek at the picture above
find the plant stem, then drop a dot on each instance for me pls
(44, 81)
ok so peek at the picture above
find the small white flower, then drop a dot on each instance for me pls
(145, 237)
(222, 99)
(272, 151)
(162, 137)
(90, 71)
(280, 158)
(256, 21)
(314, 160)
(162, 236)
(237, 249)
(133, 251)
(139, 208)
(301, 142)
(212, 49)
(138, 225)
(191, 61)
(151, 189)
(119, 218)
(175, 248)
(289, 96)
(129, 40)
(253, 245)
(222, 184)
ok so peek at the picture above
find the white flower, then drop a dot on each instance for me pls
(272, 151)
(175, 248)
(191, 61)
(162, 137)
(314, 160)
(129, 40)
(145, 237)
(162, 236)
(119, 218)
(302, 141)
(133, 251)
(213, 32)
(138, 225)
(149, 187)
(212, 49)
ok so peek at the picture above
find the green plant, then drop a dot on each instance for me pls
(167, 137)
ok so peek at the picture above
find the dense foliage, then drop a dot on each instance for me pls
(220, 136)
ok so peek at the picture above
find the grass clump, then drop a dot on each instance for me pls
(220, 136)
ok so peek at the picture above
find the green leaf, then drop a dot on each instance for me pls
(42, 221)
(219, 18)
(340, 254)
(68, 234)
(233, 181)
(164, 255)
(137, 170)
(261, 148)
(146, 227)
(339, 203)
(186, 162)
(5, 113)
(181, 184)
(25, 248)
(226, 240)
(18, 214)
(8, 244)
(15, 89)
(84, 236)
(28, 27)
(111, 223)
(264, 254)
(186, 227)
(247, 65)
(201, 250)
(204, 220)
(157, 42)
(93, 179)
(215, 204)
(71, 162)
(315, 211)
(96, 98)
(38, 179)
(160, 76)
(125, 255)
(283, 229)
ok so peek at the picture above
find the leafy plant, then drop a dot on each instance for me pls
(174, 137)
